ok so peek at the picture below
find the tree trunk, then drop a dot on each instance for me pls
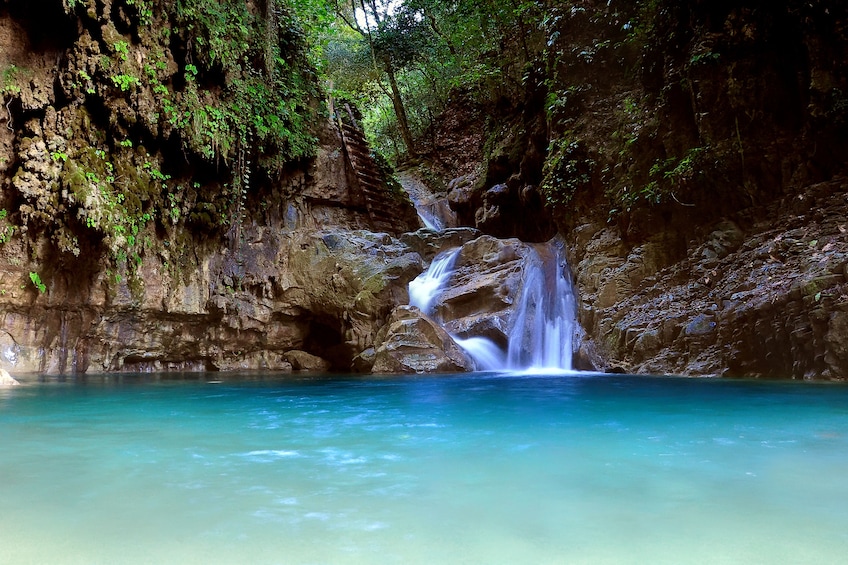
(400, 110)
(365, 31)
(270, 38)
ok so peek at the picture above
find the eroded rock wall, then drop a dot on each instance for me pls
(765, 297)
(146, 225)
(693, 156)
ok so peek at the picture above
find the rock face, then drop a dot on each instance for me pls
(763, 296)
(695, 163)
(326, 293)
(303, 361)
(429, 244)
(411, 342)
(145, 224)
(487, 278)
(6, 379)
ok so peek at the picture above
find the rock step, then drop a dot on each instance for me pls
(359, 151)
(381, 210)
(372, 183)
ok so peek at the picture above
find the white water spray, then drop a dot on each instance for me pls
(542, 331)
(486, 354)
(430, 222)
(427, 286)
(542, 324)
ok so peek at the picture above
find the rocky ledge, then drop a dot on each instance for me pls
(759, 294)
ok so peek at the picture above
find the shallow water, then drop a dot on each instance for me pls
(461, 469)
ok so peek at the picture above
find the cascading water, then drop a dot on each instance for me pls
(422, 199)
(542, 330)
(542, 325)
(427, 286)
(430, 222)
(486, 354)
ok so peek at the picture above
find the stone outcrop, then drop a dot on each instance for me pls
(752, 296)
(487, 278)
(303, 361)
(6, 380)
(325, 292)
(429, 243)
(411, 342)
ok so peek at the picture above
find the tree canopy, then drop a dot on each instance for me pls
(399, 59)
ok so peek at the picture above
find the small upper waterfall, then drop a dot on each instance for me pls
(541, 319)
(430, 221)
(433, 211)
(426, 287)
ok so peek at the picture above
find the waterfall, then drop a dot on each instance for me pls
(433, 211)
(542, 322)
(542, 331)
(427, 286)
(430, 221)
(486, 354)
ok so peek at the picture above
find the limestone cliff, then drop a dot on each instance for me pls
(693, 155)
(176, 196)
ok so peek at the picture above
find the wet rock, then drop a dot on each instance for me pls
(486, 280)
(429, 243)
(6, 379)
(414, 343)
(702, 324)
(358, 279)
(303, 361)
(464, 196)
(363, 362)
(461, 187)
(429, 196)
(493, 216)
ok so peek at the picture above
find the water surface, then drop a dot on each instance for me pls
(454, 469)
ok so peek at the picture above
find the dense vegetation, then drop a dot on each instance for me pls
(174, 113)
(402, 60)
(165, 114)
(642, 104)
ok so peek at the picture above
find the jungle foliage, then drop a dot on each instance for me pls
(400, 60)
(169, 109)
(268, 83)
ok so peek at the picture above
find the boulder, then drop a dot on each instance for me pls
(464, 197)
(493, 214)
(303, 361)
(414, 343)
(486, 281)
(6, 379)
(429, 243)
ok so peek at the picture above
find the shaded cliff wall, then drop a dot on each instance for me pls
(725, 135)
(693, 153)
(174, 198)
